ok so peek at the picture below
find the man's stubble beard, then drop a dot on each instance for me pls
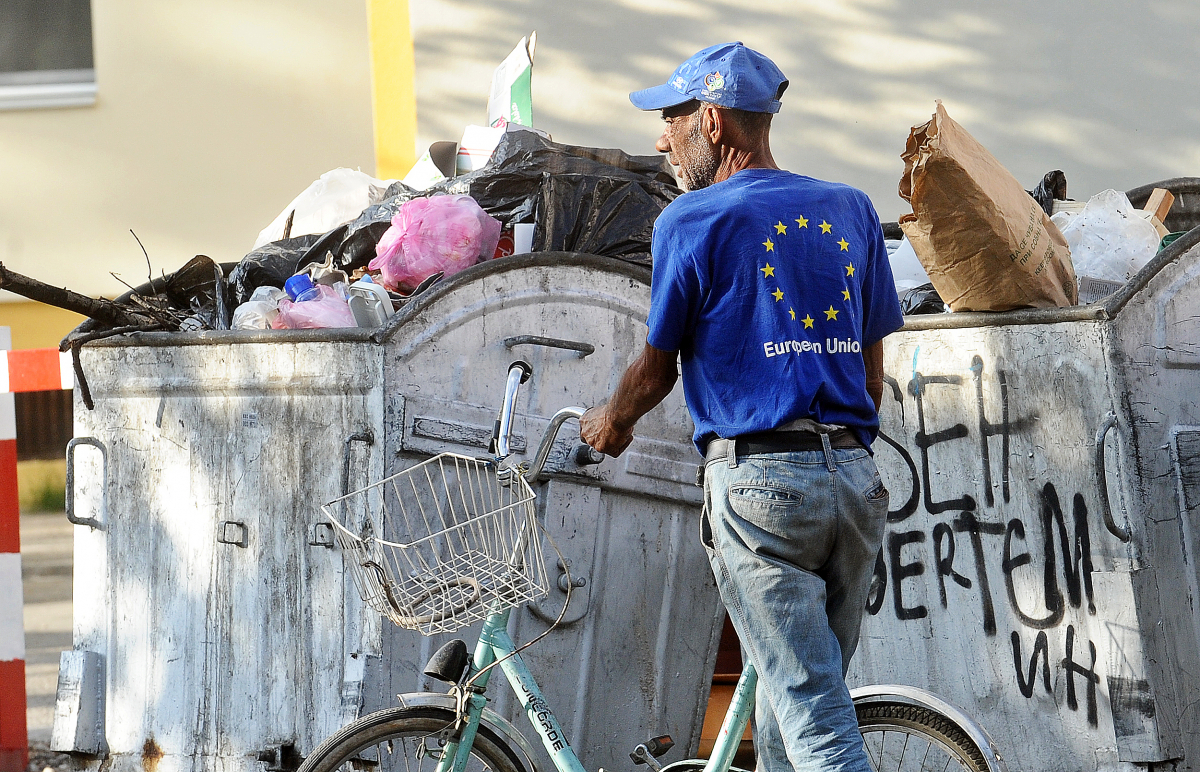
(699, 163)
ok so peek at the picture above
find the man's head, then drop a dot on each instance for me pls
(717, 106)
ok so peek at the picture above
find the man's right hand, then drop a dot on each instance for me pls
(609, 427)
(596, 428)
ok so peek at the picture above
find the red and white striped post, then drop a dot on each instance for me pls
(30, 370)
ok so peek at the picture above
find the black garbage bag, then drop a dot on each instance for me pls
(1053, 187)
(200, 287)
(598, 216)
(269, 266)
(922, 300)
(593, 200)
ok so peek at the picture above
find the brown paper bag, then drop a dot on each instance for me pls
(984, 241)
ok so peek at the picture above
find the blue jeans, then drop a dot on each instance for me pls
(792, 539)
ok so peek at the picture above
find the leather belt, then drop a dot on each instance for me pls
(779, 442)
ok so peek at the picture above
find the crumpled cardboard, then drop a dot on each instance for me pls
(985, 242)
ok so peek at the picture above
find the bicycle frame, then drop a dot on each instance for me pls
(495, 644)
(733, 727)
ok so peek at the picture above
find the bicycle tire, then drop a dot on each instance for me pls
(876, 720)
(358, 746)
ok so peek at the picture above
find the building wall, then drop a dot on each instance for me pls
(211, 116)
(1103, 89)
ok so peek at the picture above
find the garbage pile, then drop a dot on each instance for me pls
(977, 241)
(532, 195)
(350, 250)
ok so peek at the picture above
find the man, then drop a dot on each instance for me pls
(775, 292)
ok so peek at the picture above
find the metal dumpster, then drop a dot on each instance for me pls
(1039, 568)
(214, 625)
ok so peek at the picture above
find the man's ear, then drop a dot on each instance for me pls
(713, 124)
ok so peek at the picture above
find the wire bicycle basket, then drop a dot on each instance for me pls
(442, 544)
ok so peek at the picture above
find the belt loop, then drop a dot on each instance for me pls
(732, 452)
(828, 453)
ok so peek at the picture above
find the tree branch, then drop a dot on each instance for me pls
(99, 309)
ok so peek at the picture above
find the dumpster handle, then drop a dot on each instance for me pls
(537, 340)
(1110, 420)
(70, 493)
(367, 437)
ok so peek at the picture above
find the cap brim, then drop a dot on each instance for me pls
(658, 98)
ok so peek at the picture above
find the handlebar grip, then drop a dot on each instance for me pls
(586, 455)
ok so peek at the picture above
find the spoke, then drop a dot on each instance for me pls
(882, 745)
(949, 758)
(903, 750)
(928, 748)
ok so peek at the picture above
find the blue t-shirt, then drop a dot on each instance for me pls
(770, 284)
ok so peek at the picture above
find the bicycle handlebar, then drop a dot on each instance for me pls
(543, 451)
(519, 372)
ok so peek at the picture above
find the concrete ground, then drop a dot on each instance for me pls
(46, 560)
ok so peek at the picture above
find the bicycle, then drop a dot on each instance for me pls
(471, 553)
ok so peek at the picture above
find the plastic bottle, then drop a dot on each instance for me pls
(301, 288)
(370, 303)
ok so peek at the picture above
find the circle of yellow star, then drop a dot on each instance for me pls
(802, 221)
(808, 321)
(778, 293)
(780, 228)
(792, 311)
(845, 294)
(769, 245)
(831, 314)
(845, 245)
(850, 270)
(825, 227)
(768, 271)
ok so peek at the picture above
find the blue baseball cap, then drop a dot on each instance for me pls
(729, 75)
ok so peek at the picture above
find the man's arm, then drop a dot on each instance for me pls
(873, 360)
(609, 427)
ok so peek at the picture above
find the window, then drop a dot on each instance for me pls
(46, 54)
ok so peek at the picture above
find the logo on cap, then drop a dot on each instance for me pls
(680, 83)
(714, 81)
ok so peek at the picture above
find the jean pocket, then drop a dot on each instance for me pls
(877, 493)
(765, 494)
(774, 509)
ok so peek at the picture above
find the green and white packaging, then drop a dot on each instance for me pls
(511, 100)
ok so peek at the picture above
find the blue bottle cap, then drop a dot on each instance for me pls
(300, 287)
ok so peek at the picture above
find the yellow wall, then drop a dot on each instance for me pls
(35, 325)
(392, 81)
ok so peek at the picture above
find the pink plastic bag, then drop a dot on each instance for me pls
(329, 310)
(443, 233)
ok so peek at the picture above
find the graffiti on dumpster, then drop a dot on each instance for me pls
(966, 537)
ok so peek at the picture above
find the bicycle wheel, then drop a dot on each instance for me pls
(405, 740)
(909, 738)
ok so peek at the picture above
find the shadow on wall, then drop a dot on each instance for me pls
(1102, 90)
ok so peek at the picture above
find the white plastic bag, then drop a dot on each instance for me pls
(1109, 240)
(907, 270)
(337, 197)
(259, 311)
